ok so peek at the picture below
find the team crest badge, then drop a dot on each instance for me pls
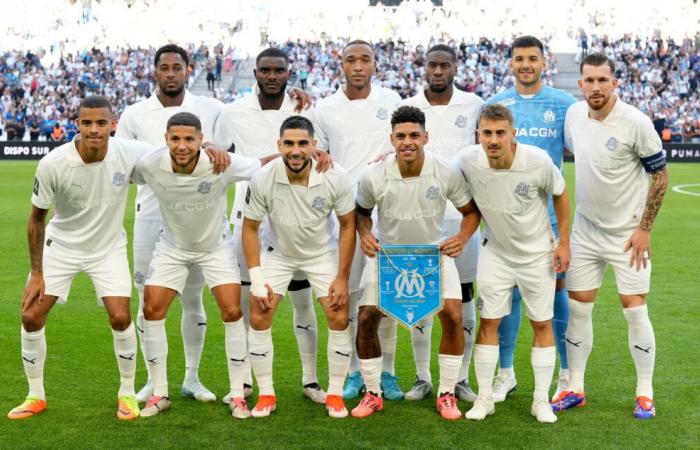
(118, 179)
(432, 193)
(204, 187)
(480, 304)
(318, 203)
(461, 121)
(36, 186)
(549, 116)
(382, 114)
(522, 189)
(138, 277)
(611, 144)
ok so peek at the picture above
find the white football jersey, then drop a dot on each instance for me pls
(88, 199)
(355, 132)
(254, 132)
(513, 202)
(300, 223)
(193, 206)
(410, 210)
(450, 127)
(611, 183)
(147, 120)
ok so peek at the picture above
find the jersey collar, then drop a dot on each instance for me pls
(74, 159)
(253, 101)
(393, 172)
(315, 178)
(154, 103)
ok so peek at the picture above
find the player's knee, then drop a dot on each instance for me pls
(368, 320)
(231, 313)
(542, 327)
(33, 320)
(451, 320)
(338, 320)
(120, 320)
(153, 311)
(260, 321)
(488, 328)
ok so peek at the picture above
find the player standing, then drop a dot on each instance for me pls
(145, 121)
(353, 125)
(196, 232)
(511, 183)
(538, 112)
(617, 153)
(298, 202)
(251, 125)
(411, 190)
(87, 183)
(450, 118)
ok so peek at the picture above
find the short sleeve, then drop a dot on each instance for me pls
(137, 176)
(242, 168)
(568, 143)
(319, 132)
(365, 193)
(255, 202)
(344, 202)
(458, 193)
(648, 142)
(553, 180)
(223, 135)
(44, 191)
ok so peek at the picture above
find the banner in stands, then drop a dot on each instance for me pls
(675, 152)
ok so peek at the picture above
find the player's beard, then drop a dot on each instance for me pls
(283, 90)
(172, 93)
(597, 106)
(440, 89)
(307, 161)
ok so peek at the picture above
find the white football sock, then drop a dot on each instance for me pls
(353, 309)
(235, 340)
(339, 353)
(485, 361)
(33, 359)
(371, 370)
(306, 332)
(387, 340)
(421, 339)
(125, 351)
(449, 371)
(156, 343)
(245, 309)
(469, 328)
(261, 355)
(579, 341)
(642, 346)
(140, 328)
(193, 327)
(543, 360)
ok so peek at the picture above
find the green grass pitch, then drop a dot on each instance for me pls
(82, 378)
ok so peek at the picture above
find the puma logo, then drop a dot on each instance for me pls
(237, 360)
(468, 330)
(201, 324)
(575, 344)
(645, 350)
(128, 358)
(262, 355)
(152, 361)
(347, 355)
(30, 361)
(306, 328)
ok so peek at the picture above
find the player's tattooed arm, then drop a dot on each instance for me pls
(639, 243)
(562, 254)
(36, 227)
(657, 191)
(363, 222)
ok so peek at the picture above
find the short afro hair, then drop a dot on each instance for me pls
(172, 48)
(408, 114)
(443, 48)
(272, 52)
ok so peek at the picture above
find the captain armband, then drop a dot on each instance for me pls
(655, 162)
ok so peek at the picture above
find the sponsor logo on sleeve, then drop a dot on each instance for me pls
(36, 186)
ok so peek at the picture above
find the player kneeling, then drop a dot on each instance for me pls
(298, 202)
(195, 232)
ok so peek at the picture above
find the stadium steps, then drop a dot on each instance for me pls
(243, 78)
(199, 87)
(568, 75)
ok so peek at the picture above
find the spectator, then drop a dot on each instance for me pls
(58, 134)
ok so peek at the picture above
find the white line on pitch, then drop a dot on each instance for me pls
(679, 188)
